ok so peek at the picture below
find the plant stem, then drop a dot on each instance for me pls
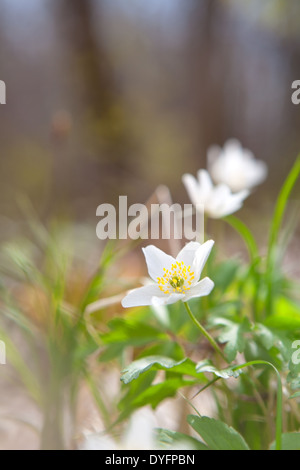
(204, 332)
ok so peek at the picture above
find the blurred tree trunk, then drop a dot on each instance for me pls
(89, 63)
(209, 65)
(99, 114)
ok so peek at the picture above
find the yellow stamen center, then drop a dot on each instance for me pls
(178, 279)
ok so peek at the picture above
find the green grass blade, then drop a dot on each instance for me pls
(281, 204)
(279, 212)
(246, 235)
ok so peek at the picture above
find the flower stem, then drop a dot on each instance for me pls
(204, 332)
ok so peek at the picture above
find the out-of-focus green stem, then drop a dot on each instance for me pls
(204, 332)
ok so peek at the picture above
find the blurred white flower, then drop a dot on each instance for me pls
(139, 435)
(235, 166)
(174, 279)
(217, 201)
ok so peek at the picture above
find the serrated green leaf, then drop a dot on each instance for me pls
(155, 394)
(290, 441)
(216, 434)
(173, 439)
(266, 336)
(233, 335)
(151, 395)
(207, 366)
(136, 388)
(183, 367)
(294, 371)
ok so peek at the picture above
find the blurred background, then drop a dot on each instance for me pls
(107, 97)
(114, 97)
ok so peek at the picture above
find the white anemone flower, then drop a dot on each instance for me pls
(173, 279)
(217, 201)
(235, 166)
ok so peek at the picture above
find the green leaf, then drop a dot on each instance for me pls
(184, 367)
(233, 335)
(216, 434)
(285, 316)
(128, 332)
(207, 366)
(175, 439)
(245, 233)
(225, 273)
(155, 394)
(290, 441)
(295, 395)
(294, 371)
(265, 336)
(278, 405)
(142, 392)
(135, 389)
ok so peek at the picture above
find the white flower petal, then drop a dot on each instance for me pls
(221, 193)
(229, 208)
(233, 147)
(192, 188)
(156, 260)
(98, 442)
(217, 201)
(235, 166)
(139, 434)
(205, 183)
(234, 203)
(223, 202)
(142, 296)
(202, 288)
(239, 197)
(167, 299)
(201, 256)
(187, 254)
